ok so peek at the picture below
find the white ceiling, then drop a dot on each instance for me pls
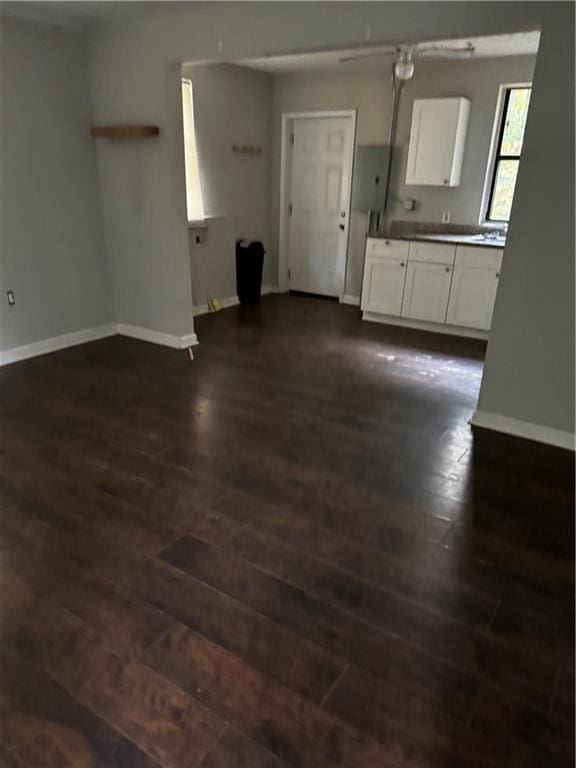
(518, 44)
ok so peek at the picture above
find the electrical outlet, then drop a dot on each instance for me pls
(446, 215)
(11, 298)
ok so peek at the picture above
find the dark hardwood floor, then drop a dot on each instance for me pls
(288, 553)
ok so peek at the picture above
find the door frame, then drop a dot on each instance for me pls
(285, 157)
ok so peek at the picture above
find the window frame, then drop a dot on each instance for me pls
(495, 153)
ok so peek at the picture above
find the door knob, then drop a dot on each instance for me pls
(342, 227)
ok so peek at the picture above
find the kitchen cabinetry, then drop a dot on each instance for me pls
(436, 286)
(474, 286)
(428, 279)
(384, 276)
(437, 140)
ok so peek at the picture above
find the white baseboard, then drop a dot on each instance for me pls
(156, 337)
(230, 301)
(348, 298)
(525, 429)
(55, 343)
(449, 330)
(44, 346)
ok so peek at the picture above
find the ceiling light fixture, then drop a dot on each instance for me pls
(404, 66)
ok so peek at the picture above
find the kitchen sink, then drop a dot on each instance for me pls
(489, 236)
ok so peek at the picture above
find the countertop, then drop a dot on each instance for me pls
(444, 238)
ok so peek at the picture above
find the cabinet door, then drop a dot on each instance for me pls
(427, 290)
(437, 136)
(383, 286)
(472, 297)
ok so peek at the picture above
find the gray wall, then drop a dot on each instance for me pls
(529, 370)
(52, 247)
(232, 105)
(368, 90)
(478, 81)
(143, 190)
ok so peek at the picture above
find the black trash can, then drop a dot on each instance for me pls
(249, 263)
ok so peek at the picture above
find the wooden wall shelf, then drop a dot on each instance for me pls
(124, 131)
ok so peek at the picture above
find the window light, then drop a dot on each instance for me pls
(194, 204)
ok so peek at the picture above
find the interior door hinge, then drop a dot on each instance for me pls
(289, 274)
(291, 139)
(290, 209)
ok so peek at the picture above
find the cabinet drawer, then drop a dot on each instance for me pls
(388, 248)
(480, 258)
(432, 253)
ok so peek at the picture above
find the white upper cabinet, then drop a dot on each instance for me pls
(437, 138)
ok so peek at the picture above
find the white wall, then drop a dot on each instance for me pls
(232, 105)
(370, 92)
(52, 246)
(529, 372)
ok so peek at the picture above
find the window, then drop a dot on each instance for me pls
(194, 204)
(512, 122)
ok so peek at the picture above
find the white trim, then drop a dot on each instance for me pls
(203, 223)
(283, 210)
(156, 337)
(44, 346)
(55, 343)
(524, 429)
(449, 330)
(348, 298)
(230, 301)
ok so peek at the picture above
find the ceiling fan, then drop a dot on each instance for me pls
(405, 55)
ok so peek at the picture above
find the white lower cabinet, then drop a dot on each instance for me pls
(474, 287)
(428, 279)
(431, 283)
(383, 288)
(426, 292)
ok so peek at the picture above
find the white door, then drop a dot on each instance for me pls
(427, 290)
(383, 286)
(319, 204)
(472, 297)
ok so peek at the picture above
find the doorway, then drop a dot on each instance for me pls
(316, 181)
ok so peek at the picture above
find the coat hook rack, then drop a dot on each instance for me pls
(246, 149)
